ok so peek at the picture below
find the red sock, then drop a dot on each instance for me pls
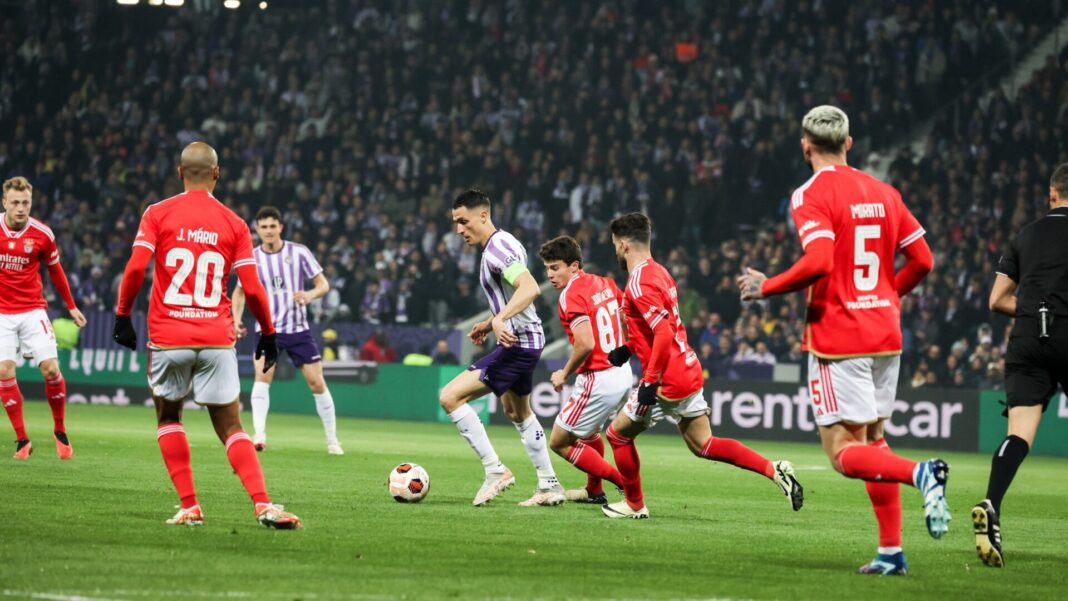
(175, 448)
(593, 483)
(11, 397)
(56, 391)
(629, 465)
(584, 458)
(733, 452)
(866, 462)
(886, 501)
(243, 459)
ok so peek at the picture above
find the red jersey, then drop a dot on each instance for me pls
(196, 241)
(596, 300)
(652, 298)
(21, 255)
(854, 311)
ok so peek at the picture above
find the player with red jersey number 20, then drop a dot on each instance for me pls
(25, 243)
(851, 225)
(196, 241)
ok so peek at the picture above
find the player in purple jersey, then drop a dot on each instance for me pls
(283, 268)
(508, 371)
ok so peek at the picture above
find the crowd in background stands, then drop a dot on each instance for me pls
(360, 123)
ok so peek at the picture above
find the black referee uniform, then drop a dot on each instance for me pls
(1037, 357)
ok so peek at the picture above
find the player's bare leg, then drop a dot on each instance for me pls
(621, 435)
(56, 393)
(261, 403)
(588, 456)
(697, 432)
(549, 491)
(174, 446)
(11, 398)
(986, 520)
(454, 399)
(324, 404)
(242, 455)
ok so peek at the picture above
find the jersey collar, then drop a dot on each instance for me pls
(10, 233)
(1059, 211)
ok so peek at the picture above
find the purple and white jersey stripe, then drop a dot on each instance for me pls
(283, 273)
(502, 254)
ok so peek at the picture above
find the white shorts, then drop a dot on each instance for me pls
(205, 376)
(27, 332)
(594, 400)
(649, 415)
(860, 390)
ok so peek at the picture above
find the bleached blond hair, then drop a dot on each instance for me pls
(826, 127)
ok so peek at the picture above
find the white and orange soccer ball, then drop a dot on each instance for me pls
(409, 483)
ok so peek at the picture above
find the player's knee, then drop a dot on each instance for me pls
(449, 401)
(50, 369)
(560, 447)
(517, 412)
(317, 386)
(7, 370)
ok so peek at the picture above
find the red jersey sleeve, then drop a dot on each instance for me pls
(242, 246)
(909, 229)
(811, 217)
(147, 232)
(573, 309)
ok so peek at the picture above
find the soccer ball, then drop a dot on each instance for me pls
(409, 483)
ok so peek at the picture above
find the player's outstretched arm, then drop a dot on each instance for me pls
(817, 262)
(62, 286)
(918, 263)
(1003, 295)
(582, 348)
(132, 278)
(526, 290)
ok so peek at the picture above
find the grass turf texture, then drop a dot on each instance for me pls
(93, 527)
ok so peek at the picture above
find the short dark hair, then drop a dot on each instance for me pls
(561, 248)
(269, 212)
(1059, 181)
(471, 198)
(632, 226)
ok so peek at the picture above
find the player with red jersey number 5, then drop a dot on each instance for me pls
(25, 243)
(851, 225)
(197, 241)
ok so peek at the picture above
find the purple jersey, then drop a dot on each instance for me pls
(503, 260)
(283, 273)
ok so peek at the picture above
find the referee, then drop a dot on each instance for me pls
(1032, 286)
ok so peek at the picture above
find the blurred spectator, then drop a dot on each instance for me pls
(443, 355)
(377, 349)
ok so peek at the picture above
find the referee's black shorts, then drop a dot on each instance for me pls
(1033, 369)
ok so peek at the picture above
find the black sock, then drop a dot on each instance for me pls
(1007, 459)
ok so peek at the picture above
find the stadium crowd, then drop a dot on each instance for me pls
(361, 123)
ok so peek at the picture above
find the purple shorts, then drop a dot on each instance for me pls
(300, 347)
(508, 368)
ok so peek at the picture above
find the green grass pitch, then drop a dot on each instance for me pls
(93, 528)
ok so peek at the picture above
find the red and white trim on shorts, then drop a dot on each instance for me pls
(169, 429)
(583, 400)
(237, 437)
(829, 397)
